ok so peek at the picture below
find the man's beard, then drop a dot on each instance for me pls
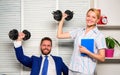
(42, 50)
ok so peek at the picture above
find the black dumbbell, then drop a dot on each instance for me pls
(57, 15)
(70, 15)
(13, 34)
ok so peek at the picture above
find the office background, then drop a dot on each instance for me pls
(36, 16)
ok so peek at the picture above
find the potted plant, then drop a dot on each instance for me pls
(111, 43)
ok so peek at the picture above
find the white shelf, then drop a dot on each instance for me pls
(109, 27)
(112, 57)
(109, 60)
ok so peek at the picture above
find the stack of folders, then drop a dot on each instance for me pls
(89, 44)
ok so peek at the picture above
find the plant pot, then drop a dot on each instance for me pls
(109, 52)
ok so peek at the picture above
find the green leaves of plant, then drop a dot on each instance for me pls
(116, 42)
(111, 42)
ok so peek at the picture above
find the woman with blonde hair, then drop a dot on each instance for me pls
(85, 65)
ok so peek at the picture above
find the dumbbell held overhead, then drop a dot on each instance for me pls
(13, 34)
(57, 15)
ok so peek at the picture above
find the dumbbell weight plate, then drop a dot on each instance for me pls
(27, 35)
(70, 15)
(57, 15)
(13, 34)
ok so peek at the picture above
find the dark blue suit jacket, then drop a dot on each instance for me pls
(35, 62)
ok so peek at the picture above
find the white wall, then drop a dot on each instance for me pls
(108, 69)
(111, 9)
(9, 19)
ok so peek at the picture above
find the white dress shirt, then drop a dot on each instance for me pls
(17, 44)
(51, 65)
(85, 65)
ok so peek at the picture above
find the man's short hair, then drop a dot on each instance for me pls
(46, 38)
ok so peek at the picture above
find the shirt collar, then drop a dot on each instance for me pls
(95, 29)
(45, 55)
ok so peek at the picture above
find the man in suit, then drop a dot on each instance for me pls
(56, 65)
